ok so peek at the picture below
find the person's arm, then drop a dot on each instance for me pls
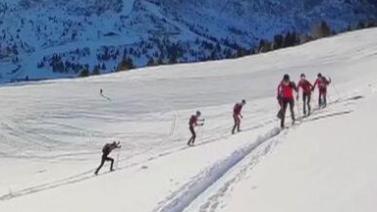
(310, 85)
(278, 91)
(294, 87)
(116, 146)
(315, 84)
(300, 84)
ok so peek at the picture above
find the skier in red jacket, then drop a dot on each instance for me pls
(307, 88)
(322, 83)
(285, 97)
(106, 150)
(194, 121)
(237, 116)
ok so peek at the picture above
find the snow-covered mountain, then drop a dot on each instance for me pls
(61, 38)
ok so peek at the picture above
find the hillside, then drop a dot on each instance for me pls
(43, 39)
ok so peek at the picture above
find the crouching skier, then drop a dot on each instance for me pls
(106, 150)
(285, 97)
(237, 116)
(307, 88)
(194, 121)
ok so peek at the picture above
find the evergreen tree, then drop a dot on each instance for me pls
(96, 70)
(278, 41)
(84, 73)
(322, 30)
(151, 62)
(126, 64)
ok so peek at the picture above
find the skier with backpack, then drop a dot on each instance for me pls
(322, 84)
(307, 88)
(285, 98)
(106, 150)
(237, 116)
(194, 122)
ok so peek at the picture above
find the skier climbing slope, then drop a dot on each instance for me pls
(106, 150)
(307, 88)
(237, 116)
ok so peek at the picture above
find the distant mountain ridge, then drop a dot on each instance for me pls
(43, 39)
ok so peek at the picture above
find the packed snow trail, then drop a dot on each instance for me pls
(52, 132)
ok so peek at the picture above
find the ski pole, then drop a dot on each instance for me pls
(336, 90)
(118, 155)
(173, 124)
(298, 108)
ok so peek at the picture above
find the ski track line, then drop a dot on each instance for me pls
(179, 200)
(212, 202)
(88, 174)
(183, 197)
(195, 188)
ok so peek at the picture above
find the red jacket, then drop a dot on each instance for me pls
(285, 90)
(306, 86)
(237, 109)
(193, 121)
(322, 83)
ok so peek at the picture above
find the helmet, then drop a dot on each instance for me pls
(286, 77)
(243, 101)
(302, 75)
(319, 75)
(198, 113)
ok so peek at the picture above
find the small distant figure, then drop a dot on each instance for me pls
(103, 95)
(285, 98)
(322, 83)
(307, 88)
(237, 116)
(194, 122)
(106, 150)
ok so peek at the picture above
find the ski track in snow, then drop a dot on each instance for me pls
(86, 175)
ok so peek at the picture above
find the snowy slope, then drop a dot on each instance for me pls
(326, 164)
(46, 39)
(52, 135)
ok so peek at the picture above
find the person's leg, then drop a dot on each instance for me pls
(235, 124)
(320, 99)
(100, 166)
(112, 163)
(283, 110)
(292, 109)
(308, 103)
(189, 141)
(192, 136)
(304, 99)
(238, 124)
(324, 98)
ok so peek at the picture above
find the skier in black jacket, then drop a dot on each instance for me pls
(106, 150)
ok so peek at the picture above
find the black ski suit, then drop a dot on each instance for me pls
(106, 150)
